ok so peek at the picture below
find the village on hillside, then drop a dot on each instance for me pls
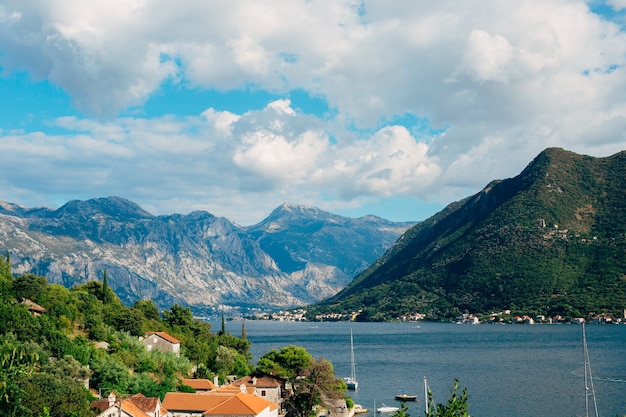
(250, 396)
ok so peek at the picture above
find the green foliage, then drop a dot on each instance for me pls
(178, 316)
(288, 362)
(315, 386)
(455, 406)
(6, 278)
(45, 359)
(29, 286)
(349, 402)
(148, 309)
(403, 411)
(62, 395)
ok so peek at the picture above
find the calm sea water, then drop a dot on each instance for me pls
(509, 371)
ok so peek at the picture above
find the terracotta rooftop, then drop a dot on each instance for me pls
(199, 384)
(163, 335)
(217, 403)
(258, 382)
(135, 406)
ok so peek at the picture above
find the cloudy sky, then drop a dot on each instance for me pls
(392, 108)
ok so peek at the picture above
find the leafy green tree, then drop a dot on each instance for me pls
(67, 367)
(29, 286)
(288, 362)
(317, 386)
(61, 303)
(17, 319)
(62, 395)
(313, 381)
(149, 310)
(178, 315)
(6, 278)
(109, 373)
(17, 362)
(131, 321)
(455, 406)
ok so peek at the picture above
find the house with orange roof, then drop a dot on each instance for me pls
(200, 385)
(271, 389)
(161, 341)
(134, 406)
(219, 403)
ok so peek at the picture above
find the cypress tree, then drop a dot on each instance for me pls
(223, 331)
(243, 330)
(105, 288)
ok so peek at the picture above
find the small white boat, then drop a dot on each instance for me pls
(358, 409)
(387, 409)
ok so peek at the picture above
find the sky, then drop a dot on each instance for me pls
(390, 108)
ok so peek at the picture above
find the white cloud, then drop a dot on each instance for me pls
(503, 79)
(617, 4)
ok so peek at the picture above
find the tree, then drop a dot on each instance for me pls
(223, 331)
(313, 381)
(317, 386)
(178, 316)
(29, 286)
(6, 278)
(62, 395)
(149, 310)
(18, 361)
(456, 405)
(290, 362)
(106, 292)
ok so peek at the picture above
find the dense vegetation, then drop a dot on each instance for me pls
(313, 381)
(551, 241)
(46, 360)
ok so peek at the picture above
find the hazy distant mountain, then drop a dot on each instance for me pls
(298, 255)
(550, 241)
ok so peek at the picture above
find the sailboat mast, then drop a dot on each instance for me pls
(426, 397)
(588, 378)
(353, 370)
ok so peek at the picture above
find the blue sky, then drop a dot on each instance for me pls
(357, 107)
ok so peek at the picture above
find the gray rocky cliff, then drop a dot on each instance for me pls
(298, 255)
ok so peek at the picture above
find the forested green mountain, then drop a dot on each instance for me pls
(550, 241)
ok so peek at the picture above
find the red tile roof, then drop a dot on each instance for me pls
(164, 335)
(199, 384)
(258, 382)
(222, 402)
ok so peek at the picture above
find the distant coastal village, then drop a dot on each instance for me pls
(501, 317)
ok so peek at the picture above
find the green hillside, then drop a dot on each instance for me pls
(549, 241)
(85, 343)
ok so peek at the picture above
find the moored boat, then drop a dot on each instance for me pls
(406, 397)
(386, 409)
(351, 381)
(358, 409)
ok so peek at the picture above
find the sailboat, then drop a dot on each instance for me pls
(589, 389)
(351, 381)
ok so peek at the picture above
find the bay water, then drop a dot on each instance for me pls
(508, 370)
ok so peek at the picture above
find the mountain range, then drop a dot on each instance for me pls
(550, 241)
(298, 255)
